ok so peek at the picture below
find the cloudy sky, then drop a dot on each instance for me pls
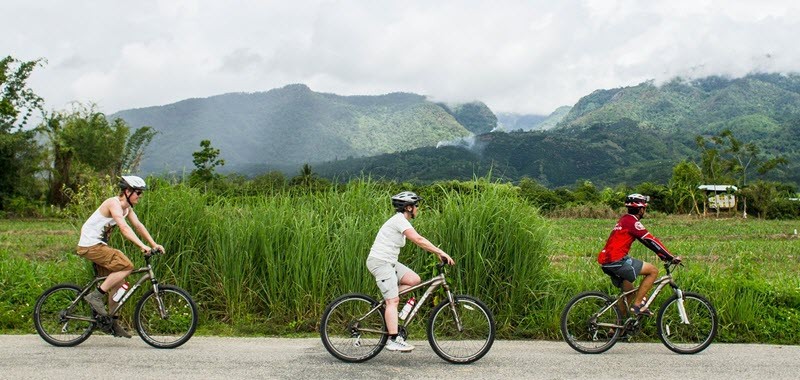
(516, 56)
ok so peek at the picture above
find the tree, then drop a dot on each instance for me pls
(84, 143)
(19, 152)
(134, 149)
(736, 159)
(682, 190)
(308, 179)
(205, 162)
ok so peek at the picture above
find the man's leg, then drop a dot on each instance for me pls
(626, 286)
(650, 273)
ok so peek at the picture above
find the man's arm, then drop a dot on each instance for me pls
(116, 213)
(140, 228)
(656, 246)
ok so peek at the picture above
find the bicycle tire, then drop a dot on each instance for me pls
(174, 330)
(579, 323)
(691, 338)
(51, 323)
(475, 338)
(343, 335)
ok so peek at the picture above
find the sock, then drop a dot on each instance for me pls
(100, 290)
(392, 337)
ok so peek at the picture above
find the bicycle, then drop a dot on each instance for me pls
(460, 329)
(592, 322)
(165, 317)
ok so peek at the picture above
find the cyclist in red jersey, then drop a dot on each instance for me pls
(624, 269)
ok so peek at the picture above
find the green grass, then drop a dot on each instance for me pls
(268, 265)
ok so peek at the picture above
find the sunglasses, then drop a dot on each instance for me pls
(139, 192)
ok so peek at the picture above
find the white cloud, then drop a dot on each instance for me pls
(523, 56)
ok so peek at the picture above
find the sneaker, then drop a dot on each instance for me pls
(95, 300)
(119, 331)
(399, 344)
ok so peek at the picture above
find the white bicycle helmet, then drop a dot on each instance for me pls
(132, 182)
(406, 198)
(636, 200)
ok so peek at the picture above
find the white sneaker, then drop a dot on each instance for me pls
(399, 344)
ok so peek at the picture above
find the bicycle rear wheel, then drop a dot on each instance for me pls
(474, 339)
(584, 329)
(172, 329)
(52, 312)
(353, 329)
(688, 338)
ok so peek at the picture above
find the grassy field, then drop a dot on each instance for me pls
(261, 283)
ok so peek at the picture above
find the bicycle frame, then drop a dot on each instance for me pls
(659, 285)
(148, 275)
(433, 284)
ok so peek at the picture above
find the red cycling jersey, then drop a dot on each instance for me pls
(628, 229)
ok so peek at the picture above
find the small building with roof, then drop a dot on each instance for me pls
(720, 197)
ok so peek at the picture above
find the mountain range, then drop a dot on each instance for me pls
(623, 135)
(287, 127)
(627, 134)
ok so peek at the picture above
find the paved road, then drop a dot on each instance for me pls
(29, 357)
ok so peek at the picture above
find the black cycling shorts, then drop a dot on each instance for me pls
(626, 269)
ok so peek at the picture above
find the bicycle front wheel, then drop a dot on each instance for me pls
(588, 320)
(353, 329)
(54, 318)
(467, 344)
(174, 326)
(691, 337)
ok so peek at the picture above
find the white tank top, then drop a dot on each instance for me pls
(96, 229)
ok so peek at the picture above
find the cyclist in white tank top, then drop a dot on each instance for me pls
(98, 227)
(93, 243)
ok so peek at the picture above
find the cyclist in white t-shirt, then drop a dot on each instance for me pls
(391, 275)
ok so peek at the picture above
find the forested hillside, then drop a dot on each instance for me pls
(625, 135)
(284, 128)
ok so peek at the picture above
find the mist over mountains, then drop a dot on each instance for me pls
(623, 135)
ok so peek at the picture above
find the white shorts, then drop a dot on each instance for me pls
(387, 276)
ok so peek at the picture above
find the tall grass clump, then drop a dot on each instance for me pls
(499, 244)
(280, 258)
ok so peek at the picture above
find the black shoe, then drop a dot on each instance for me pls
(637, 310)
(118, 331)
(95, 300)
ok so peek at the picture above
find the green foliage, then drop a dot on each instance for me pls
(205, 163)
(308, 180)
(19, 153)
(134, 149)
(83, 144)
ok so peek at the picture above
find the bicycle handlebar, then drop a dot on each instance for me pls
(668, 265)
(153, 252)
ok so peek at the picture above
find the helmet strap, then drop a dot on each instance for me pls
(127, 197)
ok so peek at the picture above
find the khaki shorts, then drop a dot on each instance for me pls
(387, 276)
(107, 259)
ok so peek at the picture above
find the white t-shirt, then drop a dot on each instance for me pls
(390, 238)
